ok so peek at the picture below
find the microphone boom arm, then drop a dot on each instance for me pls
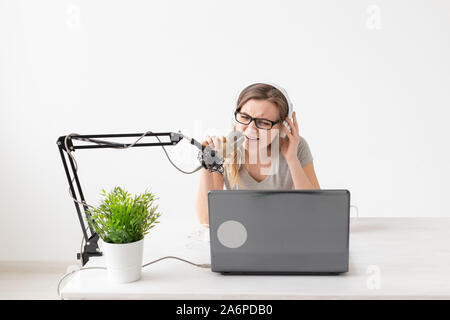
(91, 246)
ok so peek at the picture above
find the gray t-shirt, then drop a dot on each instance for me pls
(281, 180)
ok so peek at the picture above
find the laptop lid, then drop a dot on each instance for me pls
(279, 231)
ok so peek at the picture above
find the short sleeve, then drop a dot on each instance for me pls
(303, 152)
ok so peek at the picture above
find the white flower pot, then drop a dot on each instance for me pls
(124, 261)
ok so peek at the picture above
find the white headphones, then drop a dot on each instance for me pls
(290, 105)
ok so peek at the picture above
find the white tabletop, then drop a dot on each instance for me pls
(390, 258)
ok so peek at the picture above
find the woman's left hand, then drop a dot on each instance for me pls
(289, 144)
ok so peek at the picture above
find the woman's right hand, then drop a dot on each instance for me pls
(214, 142)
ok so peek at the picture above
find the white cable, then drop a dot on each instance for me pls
(173, 164)
(357, 211)
(69, 152)
(201, 265)
(71, 273)
(81, 249)
(199, 238)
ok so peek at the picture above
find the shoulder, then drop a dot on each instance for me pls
(302, 145)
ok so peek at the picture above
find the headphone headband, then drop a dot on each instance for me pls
(283, 92)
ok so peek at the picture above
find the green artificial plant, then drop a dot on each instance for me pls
(121, 218)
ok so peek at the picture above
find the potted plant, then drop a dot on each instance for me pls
(122, 221)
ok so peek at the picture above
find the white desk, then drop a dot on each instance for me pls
(390, 258)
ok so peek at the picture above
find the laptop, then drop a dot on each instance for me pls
(279, 231)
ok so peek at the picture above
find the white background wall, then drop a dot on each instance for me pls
(370, 81)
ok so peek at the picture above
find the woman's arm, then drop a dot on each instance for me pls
(303, 177)
(208, 181)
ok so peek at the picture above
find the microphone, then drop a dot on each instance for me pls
(213, 158)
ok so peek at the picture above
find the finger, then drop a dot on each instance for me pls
(222, 143)
(289, 121)
(295, 121)
(286, 130)
(216, 142)
(292, 126)
(207, 141)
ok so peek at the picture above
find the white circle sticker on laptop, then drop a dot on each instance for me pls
(232, 234)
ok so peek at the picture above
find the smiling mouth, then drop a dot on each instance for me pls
(251, 138)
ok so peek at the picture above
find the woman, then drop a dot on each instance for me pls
(260, 112)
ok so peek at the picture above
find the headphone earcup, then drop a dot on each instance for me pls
(282, 133)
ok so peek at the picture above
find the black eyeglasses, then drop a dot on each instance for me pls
(260, 123)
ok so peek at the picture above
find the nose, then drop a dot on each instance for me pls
(253, 125)
(251, 129)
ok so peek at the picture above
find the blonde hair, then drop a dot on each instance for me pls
(257, 91)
